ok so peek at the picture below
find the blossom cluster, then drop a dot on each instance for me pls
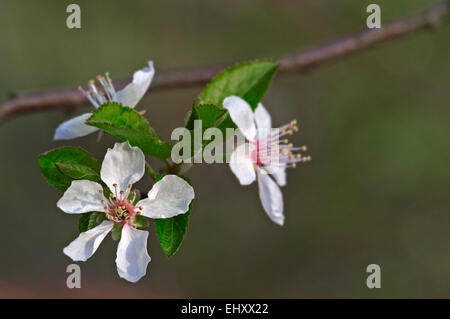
(263, 155)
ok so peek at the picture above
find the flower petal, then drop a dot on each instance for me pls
(242, 115)
(82, 197)
(133, 92)
(169, 197)
(85, 245)
(280, 176)
(271, 197)
(262, 118)
(241, 164)
(132, 256)
(74, 128)
(278, 172)
(123, 165)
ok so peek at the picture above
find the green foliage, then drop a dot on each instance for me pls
(171, 231)
(88, 221)
(63, 165)
(128, 125)
(140, 221)
(247, 80)
(116, 232)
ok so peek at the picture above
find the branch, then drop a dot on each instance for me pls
(299, 62)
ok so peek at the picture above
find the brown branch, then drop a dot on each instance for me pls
(71, 98)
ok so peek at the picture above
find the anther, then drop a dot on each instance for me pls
(303, 148)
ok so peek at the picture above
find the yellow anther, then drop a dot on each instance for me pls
(293, 165)
(304, 148)
(129, 185)
(290, 155)
(114, 185)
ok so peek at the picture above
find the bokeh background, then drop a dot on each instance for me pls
(377, 127)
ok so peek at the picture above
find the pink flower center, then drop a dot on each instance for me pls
(270, 150)
(120, 207)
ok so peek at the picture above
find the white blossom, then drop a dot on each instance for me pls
(128, 96)
(265, 156)
(123, 166)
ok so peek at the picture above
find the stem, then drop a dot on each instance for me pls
(299, 62)
(154, 175)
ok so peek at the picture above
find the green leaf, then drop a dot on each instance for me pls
(128, 125)
(247, 80)
(78, 171)
(63, 165)
(171, 231)
(116, 232)
(140, 221)
(88, 221)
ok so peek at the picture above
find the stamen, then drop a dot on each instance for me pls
(97, 96)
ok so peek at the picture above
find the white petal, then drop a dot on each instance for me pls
(262, 118)
(123, 165)
(133, 92)
(132, 256)
(82, 197)
(241, 163)
(277, 172)
(74, 128)
(242, 115)
(169, 197)
(280, 176)
(271, 197)
(85, 245)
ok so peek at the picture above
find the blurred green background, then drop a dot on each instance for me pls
(377, 127)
